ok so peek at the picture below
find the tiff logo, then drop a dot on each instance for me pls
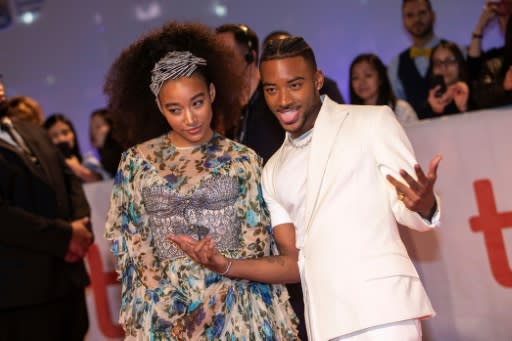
(491, 223)
(100, 281)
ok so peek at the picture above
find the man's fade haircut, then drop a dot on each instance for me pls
(274, 34)
(288, 48)
(429, 5)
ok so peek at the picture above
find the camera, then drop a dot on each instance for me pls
(438, 80)
(65, 149)
(502, 8)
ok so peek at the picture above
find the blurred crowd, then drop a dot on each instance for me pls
(432, 77)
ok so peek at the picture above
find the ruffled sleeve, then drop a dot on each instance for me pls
(127, 229)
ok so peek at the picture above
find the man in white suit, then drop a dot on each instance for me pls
(335, 202)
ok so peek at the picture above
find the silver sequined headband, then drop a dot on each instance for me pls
(174, 65)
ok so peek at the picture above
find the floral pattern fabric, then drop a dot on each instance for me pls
(165, 294)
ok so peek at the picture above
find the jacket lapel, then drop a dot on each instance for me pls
(6, 145)
(42, 170)
(326, 130)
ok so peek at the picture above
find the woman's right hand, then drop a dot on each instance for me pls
(489, 12)
(437, 104)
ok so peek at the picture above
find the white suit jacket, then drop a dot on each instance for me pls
(355, 270)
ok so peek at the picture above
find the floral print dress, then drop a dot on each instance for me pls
(211, 189)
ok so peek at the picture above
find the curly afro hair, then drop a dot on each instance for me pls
(131, 102)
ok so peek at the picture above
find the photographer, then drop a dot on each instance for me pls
(492, 86)
(492, 10)
(449, 89)
(63, 135)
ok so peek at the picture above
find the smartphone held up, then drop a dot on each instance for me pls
(438, 80)
(501, 8)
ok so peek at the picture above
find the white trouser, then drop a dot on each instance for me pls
(408, 330)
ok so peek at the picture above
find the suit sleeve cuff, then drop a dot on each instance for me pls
(435, 220)
(62, 238)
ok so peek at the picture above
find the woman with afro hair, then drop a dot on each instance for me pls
(170, 93)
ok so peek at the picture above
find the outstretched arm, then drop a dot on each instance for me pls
(486, 16)
(282, 268)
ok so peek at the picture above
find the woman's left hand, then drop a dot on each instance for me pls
(460, 94)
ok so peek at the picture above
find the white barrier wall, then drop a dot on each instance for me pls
(465, 265)
(104, 293)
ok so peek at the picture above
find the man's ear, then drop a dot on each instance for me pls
(319, 79)
(212, 92)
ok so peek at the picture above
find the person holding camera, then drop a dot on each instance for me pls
(492, 10)
(492, 70)
(449, 81)
(63, 134)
